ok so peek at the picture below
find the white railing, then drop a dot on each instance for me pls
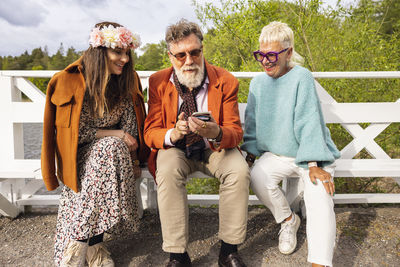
(20, 178)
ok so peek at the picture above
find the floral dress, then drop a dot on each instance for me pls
(107, 200)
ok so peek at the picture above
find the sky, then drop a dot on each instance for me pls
(29, 24)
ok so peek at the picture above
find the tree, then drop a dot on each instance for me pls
(330, 39)
(37, 56)
(71, 56)
(152, 58)
(386, 14)
(57, 61)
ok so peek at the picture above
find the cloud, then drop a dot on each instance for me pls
(70, 21)
(22, 13)
(83, 3)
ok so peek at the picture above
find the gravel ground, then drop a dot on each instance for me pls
(365, 237)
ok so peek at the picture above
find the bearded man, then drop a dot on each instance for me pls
(183, 143)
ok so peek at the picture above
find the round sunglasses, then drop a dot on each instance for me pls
(182, 56)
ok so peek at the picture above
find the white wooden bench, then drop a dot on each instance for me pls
(380, 115)
(20, 179)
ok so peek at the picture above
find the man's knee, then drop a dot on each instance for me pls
(238, 175)
(171, 169)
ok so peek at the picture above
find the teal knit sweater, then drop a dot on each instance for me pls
(283, 116)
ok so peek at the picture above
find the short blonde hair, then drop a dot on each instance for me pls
(277, 31)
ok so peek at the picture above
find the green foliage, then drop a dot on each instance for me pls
(152, 58)
(356, 38)
(203, 186)
(58, 60)
(386, 14)
(39, 59)
(40, 83)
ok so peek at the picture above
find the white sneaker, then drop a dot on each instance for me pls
(74, 254)
(98, 256)
(287, 235)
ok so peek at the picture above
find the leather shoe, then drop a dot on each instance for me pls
(175, 263)
(232, 260)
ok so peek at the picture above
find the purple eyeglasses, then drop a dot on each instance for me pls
(271, 56)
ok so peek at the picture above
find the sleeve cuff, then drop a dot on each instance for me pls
(167, 138)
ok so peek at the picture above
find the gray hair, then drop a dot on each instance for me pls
(182, 29)
(280, 32)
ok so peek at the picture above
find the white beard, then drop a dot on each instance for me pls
(190, 80)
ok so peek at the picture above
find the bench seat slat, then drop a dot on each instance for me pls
(367, 168)
(207, 200)
(344, 168)
(28, 168)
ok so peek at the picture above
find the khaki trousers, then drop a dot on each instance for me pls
(229, 167)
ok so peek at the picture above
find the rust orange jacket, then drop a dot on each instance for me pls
(64, 98)
(163, 109)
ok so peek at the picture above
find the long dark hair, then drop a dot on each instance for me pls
(104, 90)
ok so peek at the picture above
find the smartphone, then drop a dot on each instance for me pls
(204, 116)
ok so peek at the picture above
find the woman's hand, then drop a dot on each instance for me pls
(326, 179)
(130, 141)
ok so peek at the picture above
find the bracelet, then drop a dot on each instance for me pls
(312, 164)
(250, 157)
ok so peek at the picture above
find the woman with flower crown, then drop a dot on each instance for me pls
(93, 144)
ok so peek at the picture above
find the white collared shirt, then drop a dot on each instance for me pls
(202, 105)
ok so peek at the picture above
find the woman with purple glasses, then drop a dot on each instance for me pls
(285, 128)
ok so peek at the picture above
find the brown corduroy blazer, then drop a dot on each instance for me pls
(163, 109)
(64, 99)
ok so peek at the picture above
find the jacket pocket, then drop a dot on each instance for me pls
(63, 109)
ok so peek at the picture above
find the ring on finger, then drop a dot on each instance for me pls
(196, 132)
(204, 125)
(325, 181)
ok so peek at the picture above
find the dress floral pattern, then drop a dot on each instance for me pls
(107, 200)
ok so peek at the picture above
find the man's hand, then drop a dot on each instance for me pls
(250, 158)
(209, 129)
(326, 179)
(181, 129)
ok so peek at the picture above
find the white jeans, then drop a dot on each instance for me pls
(268, 171)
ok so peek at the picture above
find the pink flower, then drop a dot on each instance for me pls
(96, 38)
(125, 37)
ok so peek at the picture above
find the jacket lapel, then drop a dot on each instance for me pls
(214, 93)
(171, 102)
(78, 85)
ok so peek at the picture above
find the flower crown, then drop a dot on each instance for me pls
(112, 37)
